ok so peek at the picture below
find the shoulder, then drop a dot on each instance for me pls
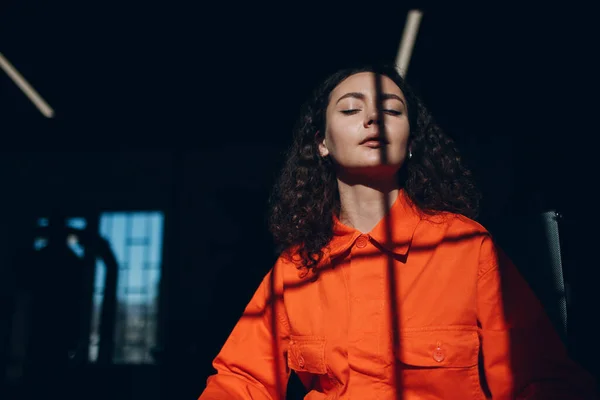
(275, 280)
(490, 254)
(470, 232)
(466, 224)
(288, 266)
(454, 223)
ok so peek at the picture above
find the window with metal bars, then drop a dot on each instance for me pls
(136, 239)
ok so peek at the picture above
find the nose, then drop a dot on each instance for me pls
(372, 117)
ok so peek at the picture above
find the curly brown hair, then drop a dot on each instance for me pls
(305, 197)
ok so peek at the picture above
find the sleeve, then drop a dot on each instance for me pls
(523, 355)
(252, 362)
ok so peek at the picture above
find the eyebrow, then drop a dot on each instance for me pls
(361, 96)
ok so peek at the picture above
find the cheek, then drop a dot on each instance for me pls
(341, 137)
(332, 142)
(399, 132)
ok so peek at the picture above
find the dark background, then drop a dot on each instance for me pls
(187, 108)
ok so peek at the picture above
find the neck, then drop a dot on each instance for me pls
(364, 204)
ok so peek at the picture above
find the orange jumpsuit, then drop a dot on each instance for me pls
(422, 307)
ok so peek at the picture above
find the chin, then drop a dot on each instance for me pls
(374, 169)
(376, 161)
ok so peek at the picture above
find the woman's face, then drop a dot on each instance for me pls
(353, 126)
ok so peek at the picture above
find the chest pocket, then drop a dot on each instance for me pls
(458, 348)
(307, 354)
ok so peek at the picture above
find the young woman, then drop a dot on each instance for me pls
(386, 288)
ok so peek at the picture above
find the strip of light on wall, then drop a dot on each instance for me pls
(26, 88)
(411, 28)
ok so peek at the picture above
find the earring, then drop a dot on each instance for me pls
(409, 154)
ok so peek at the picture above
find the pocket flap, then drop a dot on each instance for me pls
(440, 348)
(307, 353)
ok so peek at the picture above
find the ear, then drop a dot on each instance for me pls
(323, 150)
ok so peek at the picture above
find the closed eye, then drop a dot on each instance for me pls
(354, 111)
(393, 112)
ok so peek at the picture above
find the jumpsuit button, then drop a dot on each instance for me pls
(362, 241)
(438, 354)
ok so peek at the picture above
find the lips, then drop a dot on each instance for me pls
(374, 139)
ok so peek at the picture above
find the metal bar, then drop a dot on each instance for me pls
(411, 28)
(26, 88)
